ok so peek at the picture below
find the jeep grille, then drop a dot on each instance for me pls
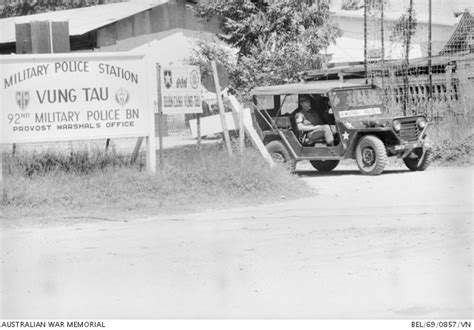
(409, 130)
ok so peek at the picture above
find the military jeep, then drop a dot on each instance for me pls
(363, 129)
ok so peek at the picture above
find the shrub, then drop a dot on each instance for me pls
(450, 150)
(453, 141)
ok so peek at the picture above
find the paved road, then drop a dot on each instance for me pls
(397, 246)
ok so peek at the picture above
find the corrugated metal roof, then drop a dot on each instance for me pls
(81, 20)
(459, 41)
(312, 87)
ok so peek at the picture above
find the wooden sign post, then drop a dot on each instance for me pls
(238, 114)
(252, 133)
(198, 121)
(221, 109)
(160, 116)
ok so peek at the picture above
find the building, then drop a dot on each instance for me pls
(100, 26)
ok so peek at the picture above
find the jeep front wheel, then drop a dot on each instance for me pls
(413, 161)
(324, 165)
(281, 155)
(371, 155)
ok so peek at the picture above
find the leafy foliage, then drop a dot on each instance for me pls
(205, 51)
(24, 8)
(351, 4)
(372, 5)
(405, 29)
(451, 150)
(275, 42)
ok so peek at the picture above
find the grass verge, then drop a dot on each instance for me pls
(453, 142)
(92, 184)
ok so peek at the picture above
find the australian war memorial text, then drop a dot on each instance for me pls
(52, 324)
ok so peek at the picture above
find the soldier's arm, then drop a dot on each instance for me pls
(300, 123)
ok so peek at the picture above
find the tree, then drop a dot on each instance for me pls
(275, 41)
(24, 8)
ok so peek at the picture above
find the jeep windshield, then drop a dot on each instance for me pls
(349, 103)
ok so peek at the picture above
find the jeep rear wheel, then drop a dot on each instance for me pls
(324, 165)
(414, 163)
(281, 155)
(371, 155)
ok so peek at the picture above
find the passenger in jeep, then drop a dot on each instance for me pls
(311, 127)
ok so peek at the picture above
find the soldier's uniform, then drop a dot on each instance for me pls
(316, 135)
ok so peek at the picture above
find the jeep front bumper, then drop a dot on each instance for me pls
(404, 149)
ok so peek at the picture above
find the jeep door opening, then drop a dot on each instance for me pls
(363, 130)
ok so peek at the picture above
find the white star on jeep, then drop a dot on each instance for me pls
(348, 125)
(345, 136)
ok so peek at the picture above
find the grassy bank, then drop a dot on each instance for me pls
(453, 142)
(92, 184)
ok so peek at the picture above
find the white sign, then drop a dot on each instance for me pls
(63, 97)
(360, 112)
(180, 90)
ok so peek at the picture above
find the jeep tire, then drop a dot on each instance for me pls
(412, 163)
(324, 165)
(281, 155)
(371, 155)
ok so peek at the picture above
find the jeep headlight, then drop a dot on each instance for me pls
(421, 122)
(397, 125)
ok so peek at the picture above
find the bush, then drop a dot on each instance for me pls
(451, 150)
(453, 141)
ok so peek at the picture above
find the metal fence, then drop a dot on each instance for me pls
(422, 53)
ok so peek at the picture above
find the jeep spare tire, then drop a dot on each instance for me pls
(324, 165)
(371, 155)
(281, 155)
(413, 161)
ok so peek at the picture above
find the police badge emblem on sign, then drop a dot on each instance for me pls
(194, 79)
(23, 99)
(122, 96)
(168, 80)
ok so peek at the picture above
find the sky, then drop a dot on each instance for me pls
(442, 10)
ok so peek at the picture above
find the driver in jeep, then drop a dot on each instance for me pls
(310, 126)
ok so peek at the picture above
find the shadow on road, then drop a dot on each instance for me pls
(315, 173)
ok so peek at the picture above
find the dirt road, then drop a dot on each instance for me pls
(396, 246)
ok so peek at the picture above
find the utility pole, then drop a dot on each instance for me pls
(383, 42)
(409, 30)
(430, 69)
(365, 41)
(382, 32)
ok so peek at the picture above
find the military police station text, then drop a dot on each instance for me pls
(42, 70)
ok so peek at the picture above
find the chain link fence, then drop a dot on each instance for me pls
(424, 62)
